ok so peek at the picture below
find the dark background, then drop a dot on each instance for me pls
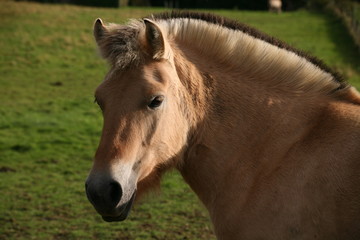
(206, 4)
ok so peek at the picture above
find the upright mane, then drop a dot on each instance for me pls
(234, 25)
(234, 45)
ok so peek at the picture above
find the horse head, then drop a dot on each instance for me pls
(145, 127)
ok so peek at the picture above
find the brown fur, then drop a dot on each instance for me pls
(269, 144)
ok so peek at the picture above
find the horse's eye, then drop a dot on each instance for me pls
(156, 102)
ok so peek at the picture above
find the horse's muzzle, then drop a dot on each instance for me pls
(108, 202)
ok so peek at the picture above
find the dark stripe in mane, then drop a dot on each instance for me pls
(234, 25)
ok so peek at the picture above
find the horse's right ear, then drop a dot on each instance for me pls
(99, 30)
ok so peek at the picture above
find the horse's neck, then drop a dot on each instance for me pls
(250, 103)
(244, 126)
(244, 136)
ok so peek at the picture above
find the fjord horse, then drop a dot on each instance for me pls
(267, 136)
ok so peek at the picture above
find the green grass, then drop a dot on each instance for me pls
(49, 126)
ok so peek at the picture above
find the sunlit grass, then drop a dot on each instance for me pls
(49, 126)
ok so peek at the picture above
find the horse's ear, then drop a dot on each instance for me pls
(99, 30)
(155, 40)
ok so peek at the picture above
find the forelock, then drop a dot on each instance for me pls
(120, 44)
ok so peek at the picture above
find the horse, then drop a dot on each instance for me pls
(267, 136)
(275, 6)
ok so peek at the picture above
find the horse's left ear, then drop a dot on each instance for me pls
(99, 30)
(155, 40)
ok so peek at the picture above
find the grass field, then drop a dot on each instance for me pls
(49, 126)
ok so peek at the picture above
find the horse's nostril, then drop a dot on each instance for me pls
(104, 195)
(115, 192)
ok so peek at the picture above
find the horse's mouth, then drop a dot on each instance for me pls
(123, 211)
